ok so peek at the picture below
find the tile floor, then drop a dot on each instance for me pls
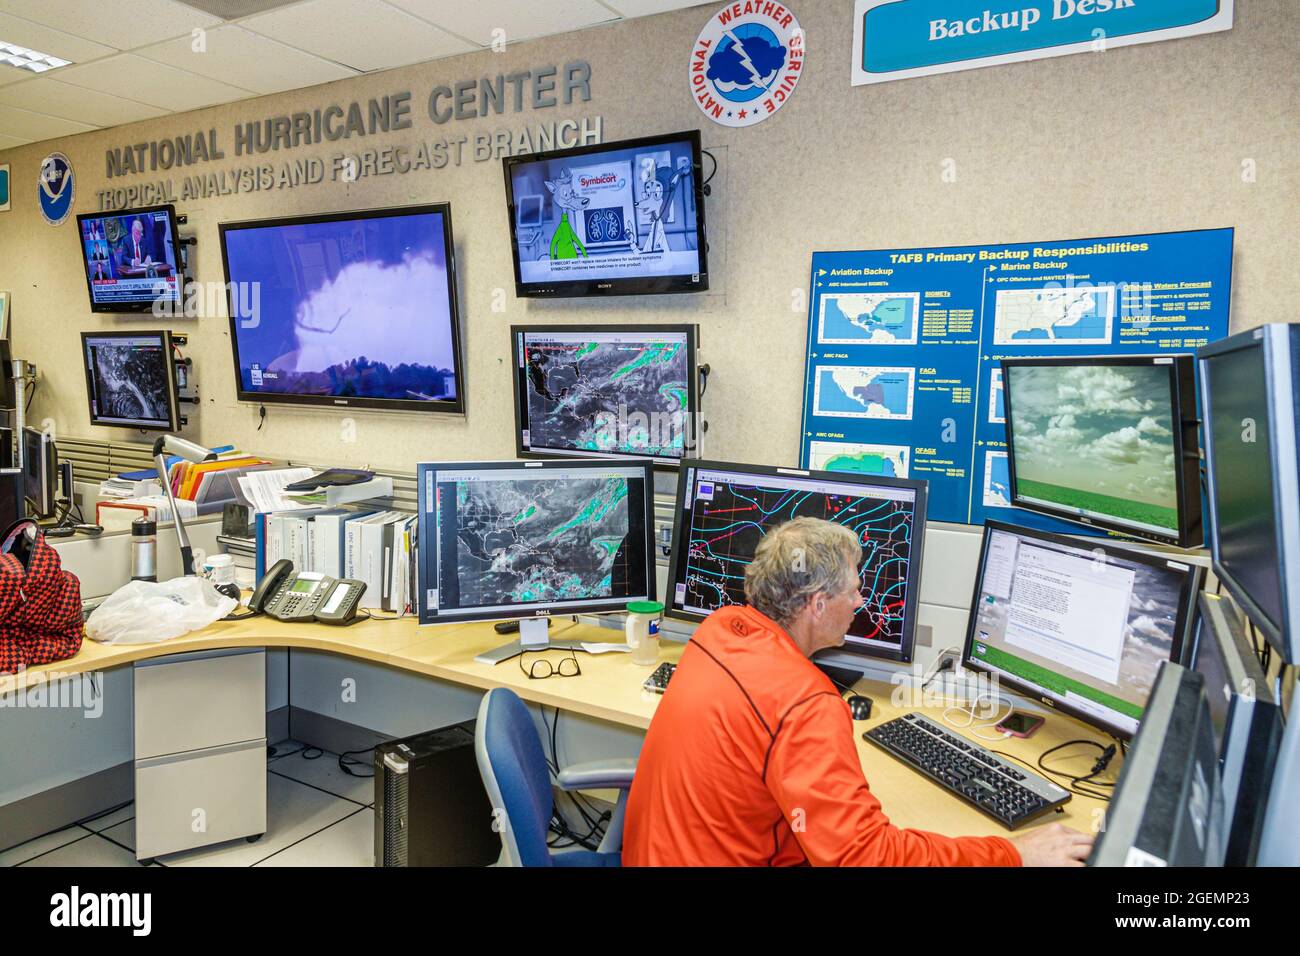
(317, 815)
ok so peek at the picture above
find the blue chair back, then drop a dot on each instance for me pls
(516, 776)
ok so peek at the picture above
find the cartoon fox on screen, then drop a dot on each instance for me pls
(565, 244)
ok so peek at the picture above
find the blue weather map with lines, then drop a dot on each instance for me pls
(729, 518)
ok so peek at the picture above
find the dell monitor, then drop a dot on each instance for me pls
(132, 259)
(131, 379)
(1250, 390)
(1247, 722)
(724, 510)
(40, 473)
(619, 218)
(611, 391)
(346, 310)
(1109, 442)
(1167, 809)
(526, 540)
(1080, 626)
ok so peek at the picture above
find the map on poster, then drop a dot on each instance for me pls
(902, 376)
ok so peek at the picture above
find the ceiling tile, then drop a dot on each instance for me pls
(643, 8)
(55, 98)
(9, 142)
(122, 24)
(35, 36)
(33, 126)
(521, 21)
(254, 62)
(363, 34)
(11, 74)
(146, 81)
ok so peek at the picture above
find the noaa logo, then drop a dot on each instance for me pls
(56, 188)
(746, 62)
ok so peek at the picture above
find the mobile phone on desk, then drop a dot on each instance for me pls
(1019, 724)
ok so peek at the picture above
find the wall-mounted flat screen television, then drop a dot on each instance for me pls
(623, 218)
(132, 258)
(354, 309)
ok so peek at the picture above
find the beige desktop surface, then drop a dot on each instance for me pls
(608, 689)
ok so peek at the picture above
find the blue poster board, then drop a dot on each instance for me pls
(902, 374)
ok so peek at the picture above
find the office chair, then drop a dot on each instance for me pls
(518, 783)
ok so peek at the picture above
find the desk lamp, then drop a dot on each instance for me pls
(188, 450)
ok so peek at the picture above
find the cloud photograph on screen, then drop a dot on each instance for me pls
(1096, 438)
(351, 308)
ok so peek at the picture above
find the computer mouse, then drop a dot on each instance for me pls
(860, 707)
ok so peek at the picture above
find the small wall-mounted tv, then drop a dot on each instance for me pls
(132, 258)
(352, 309)
(623, 218)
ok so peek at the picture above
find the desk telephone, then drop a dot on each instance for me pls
(306, 596)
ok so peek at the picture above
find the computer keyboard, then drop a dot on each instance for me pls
(1007, 793)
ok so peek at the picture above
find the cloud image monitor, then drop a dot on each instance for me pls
(1109, 442)
(131, 379)
(621, 218)
(132, 259)
(1078, 625)
(1250, 392)
(620, 391)
(514, 539)
(724, 510)
(347, 310)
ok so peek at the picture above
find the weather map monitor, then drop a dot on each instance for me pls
(131, 258)
(131, 379)
(1250, 388)
(513, 539)
(614, 219)
(354, 309)
(606, 390)
(1079, 625)
(1108, 441)
(724, 510)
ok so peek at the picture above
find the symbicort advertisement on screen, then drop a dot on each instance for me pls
(620, 214)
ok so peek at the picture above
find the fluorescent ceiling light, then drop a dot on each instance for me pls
(11, 54)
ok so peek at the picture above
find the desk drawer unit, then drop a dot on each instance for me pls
(200, 750)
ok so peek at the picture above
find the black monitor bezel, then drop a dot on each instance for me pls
(1182, 624)
(439, 406)
(1182, 385)
(427, 536)
(639, 285)
(1284, 477)
(681, 529)
(119, 308)
(47, 473)
(169, 360)
(692, 332)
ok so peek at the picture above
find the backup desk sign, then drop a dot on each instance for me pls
(746, 62)
(900, 39)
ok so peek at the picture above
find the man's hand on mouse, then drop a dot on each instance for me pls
(1053, 845)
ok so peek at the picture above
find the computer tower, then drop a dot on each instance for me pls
(430, 805)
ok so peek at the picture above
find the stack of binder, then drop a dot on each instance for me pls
(364, 544)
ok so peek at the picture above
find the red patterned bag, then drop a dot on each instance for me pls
(40, 603)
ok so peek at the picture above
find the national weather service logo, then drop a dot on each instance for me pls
(746, 62)
(56, 188)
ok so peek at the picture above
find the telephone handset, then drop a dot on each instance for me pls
(306, 595)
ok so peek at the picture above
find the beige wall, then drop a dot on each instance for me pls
(1138, 139)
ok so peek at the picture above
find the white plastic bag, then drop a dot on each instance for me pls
(145, 612)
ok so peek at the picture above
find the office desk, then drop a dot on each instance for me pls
(608, 690)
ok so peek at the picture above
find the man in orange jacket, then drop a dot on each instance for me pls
(750, 759)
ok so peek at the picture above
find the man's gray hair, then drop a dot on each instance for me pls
(798, 559)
